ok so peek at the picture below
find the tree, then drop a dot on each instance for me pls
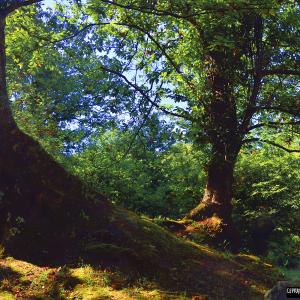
(235, 65)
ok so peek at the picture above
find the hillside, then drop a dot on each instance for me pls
(191, 270)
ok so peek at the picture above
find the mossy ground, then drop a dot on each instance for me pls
(22, 280)
(221, 276)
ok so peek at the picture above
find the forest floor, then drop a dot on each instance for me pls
(247, 275)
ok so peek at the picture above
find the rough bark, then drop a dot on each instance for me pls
(218, 191)
(215, 208)
(222, 129)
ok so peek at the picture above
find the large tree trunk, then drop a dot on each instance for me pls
(215, 208)
(222, 129)
(218, 191)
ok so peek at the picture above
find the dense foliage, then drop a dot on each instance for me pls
(154, 183)
(167, 184)
(267, 191)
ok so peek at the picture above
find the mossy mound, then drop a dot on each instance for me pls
(194, 271)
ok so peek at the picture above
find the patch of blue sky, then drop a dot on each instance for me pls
(49, 3)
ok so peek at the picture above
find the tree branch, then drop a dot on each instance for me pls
(280, 109)
(270, 143)
(146, 117)
(162, 50)
(19, 3)
(272, 124)
(144, 94)
(160, 12)
(279, 72)
(156, 12)
(250, 108)
(158, 45)
(76, 33)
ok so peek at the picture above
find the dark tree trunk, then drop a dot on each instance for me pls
(218, 191)
(215, 208)
(222, 129)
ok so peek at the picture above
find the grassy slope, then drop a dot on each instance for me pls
(195, 271)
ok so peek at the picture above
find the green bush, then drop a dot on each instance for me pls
(267, 190)
(156, 183)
